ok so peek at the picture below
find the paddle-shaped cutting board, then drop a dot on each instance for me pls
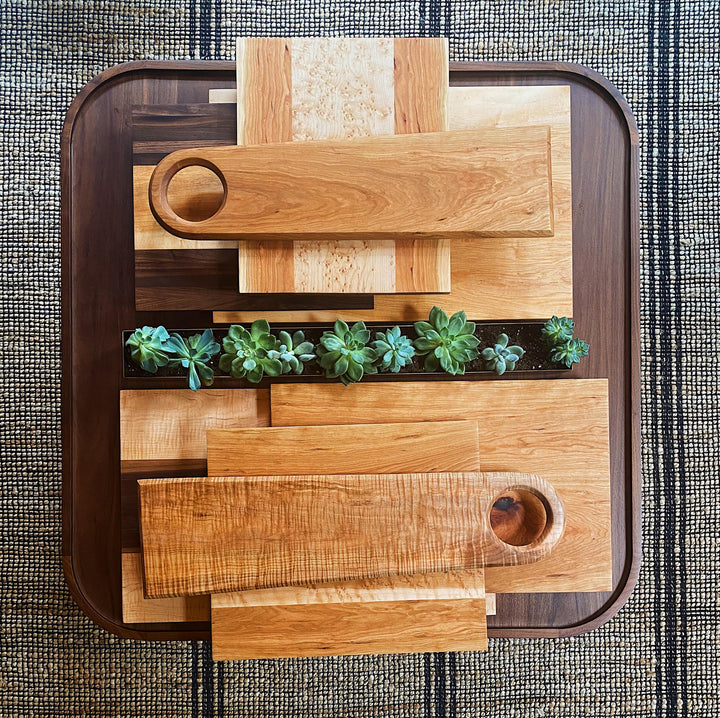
(475, 183)
(218, 534)
(371, 448)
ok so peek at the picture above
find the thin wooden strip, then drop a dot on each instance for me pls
(267, 267)
(217, 534)
(380, 448)
(420, 263)
(264, 81)
(477, 183)
(558, 429)
(138, 609)
(172, 423)
(348, 629)
(421, 84)
(491, 279)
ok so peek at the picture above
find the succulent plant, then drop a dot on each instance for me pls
(344, 353)
(394, 350)
(246, 352)
(500, 357)
(193, 354)
(293, 352)
(148, 348)
(445, 342)
(557, 330)
(569, 352)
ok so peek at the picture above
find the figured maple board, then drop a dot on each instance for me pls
(471, 183)
(284, 631)
(172, 423)
(490, 279)
(558, 429)
(324, 88)
(219, 534)
(373, 448)
(138, 609)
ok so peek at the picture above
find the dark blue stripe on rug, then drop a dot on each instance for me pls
(679, 424)
(427, 691)
(205, 29)
(220, 707)
(192, 27)
(194, 679)
(440, 685)
(217, 23)
(208, 687)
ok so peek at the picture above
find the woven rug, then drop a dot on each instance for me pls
(660, 656)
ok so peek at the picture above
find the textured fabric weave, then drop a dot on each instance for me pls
(660, 655)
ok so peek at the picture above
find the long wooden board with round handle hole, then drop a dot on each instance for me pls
(219, 534)
(483, 183)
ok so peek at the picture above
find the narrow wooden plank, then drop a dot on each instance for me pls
(476, 183)
(558, 429)
(421, 73)
(264, 82)
(138, 609)
(216, 534)
(348, 629)
(373, 448)
(172, 423)
(491, 279)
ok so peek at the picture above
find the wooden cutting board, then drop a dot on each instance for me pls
(372, 448)
(558, 429)
(475, 183)
(490, 279)
(218, 534)
(333, 88)
(241, 630)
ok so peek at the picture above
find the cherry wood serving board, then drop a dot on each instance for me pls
(372, 448)
(99, 301)
(242, 630)
(473, 183)
(217, 534)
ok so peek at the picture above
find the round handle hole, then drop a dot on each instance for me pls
(195, 193)
(518, 517)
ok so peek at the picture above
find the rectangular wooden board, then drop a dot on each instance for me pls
(372, 448)
(473, 183)
(511, 279)
(557, 429)
(172, 423)
(219, 534)
(354, 628)
(324, 88)
(138, 609)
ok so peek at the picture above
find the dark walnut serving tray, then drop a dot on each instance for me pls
(99, 303)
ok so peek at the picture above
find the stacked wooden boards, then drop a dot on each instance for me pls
(558, 429)
(490, 279)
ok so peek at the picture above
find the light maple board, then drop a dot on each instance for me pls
(557, 428)
(172, 423)
(372, 448)
(490, 279)
(333, 88)
(218, 534)
(244, 632)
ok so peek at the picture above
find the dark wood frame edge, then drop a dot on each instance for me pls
(632, 438)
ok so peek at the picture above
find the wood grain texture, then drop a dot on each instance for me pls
(172, 423)
(342, 88)
(264, 84)
(475, 183)
(218, 534)
(372, 448)
(138, 609)
(558, 429)
(491, 279)
(348, 629)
